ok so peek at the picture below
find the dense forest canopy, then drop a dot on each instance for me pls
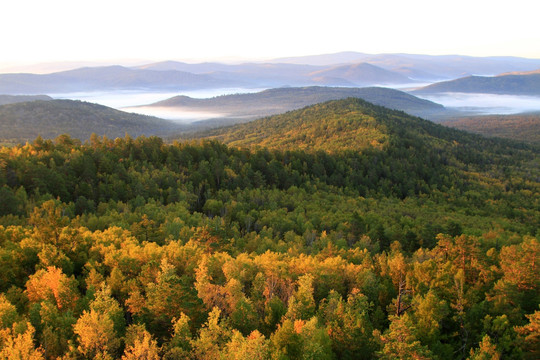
(520, 127)
(419, 243)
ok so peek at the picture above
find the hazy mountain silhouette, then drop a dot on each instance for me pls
(13, 99)
(275, 101)
(107, 78)
(528, 84)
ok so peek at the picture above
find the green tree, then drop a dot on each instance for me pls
(316, 344)
(530, 336)
(49, 220)
(348, 325)
(8, 313)
(286, 342)
(179, 347)
(212, 338)
(56, 329)
(399, 342)
(302, 304)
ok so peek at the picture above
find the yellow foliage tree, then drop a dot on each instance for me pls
(17, 346)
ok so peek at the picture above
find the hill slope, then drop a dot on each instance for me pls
(338, 125)
(25, 121)
(385, 149)
(520, 127)
(504, 84)
(276, 101)
(335, 125)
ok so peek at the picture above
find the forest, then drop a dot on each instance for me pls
(343, 230)
(520, 127)
(24, 121)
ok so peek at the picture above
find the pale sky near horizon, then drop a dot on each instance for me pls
(37, 31)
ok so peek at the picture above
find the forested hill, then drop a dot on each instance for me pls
(340, 125)
(26, 120)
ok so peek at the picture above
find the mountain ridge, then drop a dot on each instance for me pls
(528, 84)
(106, 77)
(326, 69)
(428, 67)
(335, 126)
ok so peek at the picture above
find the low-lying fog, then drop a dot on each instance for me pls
(132, 101)
(117, 99)
(487, 103)
(176, 114)
(128, 100)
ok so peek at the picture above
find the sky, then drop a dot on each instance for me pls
(38, 31)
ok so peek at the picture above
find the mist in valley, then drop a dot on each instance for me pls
(486, 103)
(134, 101)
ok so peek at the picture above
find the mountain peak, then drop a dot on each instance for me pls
(363, 73)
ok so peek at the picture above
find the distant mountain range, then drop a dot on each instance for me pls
(526, 84)
(177, 76)
(107, 78)
(423, 67)
(276, 101)
(342, 69)
(276, 75)
(25, 121)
